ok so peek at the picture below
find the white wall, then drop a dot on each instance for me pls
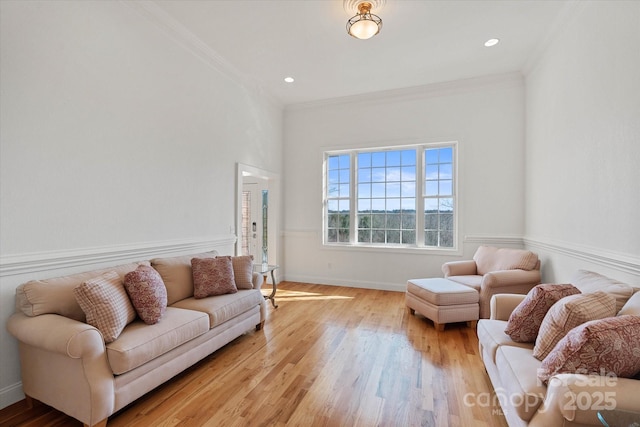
(117, 143)
(485, 116)
(583, 145)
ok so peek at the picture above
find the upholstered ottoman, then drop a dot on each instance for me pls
(443, 301)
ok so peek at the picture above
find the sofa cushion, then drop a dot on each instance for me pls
(243, 271)
(147, 293)
(489, 259)
(527, 317)
(223, 307)
(518, 376)
(213, 276)
(568, 313)
(140, 343)
(491, 336)
(177, 275)
(632, 306)
(588, 282)
(55, 296)
(106, 304)
(608, 346)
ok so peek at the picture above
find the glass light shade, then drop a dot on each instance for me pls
(364, 29)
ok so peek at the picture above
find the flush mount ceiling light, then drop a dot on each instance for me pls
(364, 24)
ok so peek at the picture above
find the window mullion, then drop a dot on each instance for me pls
(353, 198)
(420, 178)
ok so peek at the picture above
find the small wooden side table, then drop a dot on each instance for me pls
(265, 269)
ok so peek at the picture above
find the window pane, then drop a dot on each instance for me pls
(393, 221)
(446, 239)
(446, 171)
(393, 174)
(378, 205)
(377, 236)
(431, 156)
(344, 190)
(364, 190)
(408, 157)
(364, 205)
(393, 205)
(377, 221)
(431, 238)
(446, 188)
(445, 155)
(334, 176)
(377, 159)
(408, 204)
(431, 222)
(446, 205)
(409, 221)
(408, 173)
(446, 222)
(332, 206)
(431, 188)
(364, 236)
(333, 162)
(344, 161)
(364, 221)
(378, 174)
(408, 237)
(393, 236)
(408, 189)
(364, 175)
(332, 235)
(431, 172)
(393, 189)
(378, 190)
(344, 176)
(393, 158)
(431, 205)
(364, 160)
(343, 235)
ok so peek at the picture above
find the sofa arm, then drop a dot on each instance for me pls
(64, 365)
(57, 334)
(578, 398)
(257, 280)
(502, 305)
(506, 279)
(459, 268)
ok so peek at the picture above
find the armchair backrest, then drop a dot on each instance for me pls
(489, 259)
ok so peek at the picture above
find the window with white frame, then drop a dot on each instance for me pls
(388, 188)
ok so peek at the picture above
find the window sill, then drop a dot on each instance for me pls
(391, 249)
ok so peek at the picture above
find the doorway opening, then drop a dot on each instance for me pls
(257, 213)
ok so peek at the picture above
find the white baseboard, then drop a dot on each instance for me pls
(333, 281)
(11, 394)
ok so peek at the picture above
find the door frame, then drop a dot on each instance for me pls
(273, 229)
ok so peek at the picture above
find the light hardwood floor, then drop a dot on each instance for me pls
(328, 356)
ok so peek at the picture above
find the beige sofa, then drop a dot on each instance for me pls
(495, 271)
(569, 399)
(66, 364)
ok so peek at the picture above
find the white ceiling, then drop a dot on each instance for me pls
(421, 42)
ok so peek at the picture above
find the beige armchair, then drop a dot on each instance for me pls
(495, 271)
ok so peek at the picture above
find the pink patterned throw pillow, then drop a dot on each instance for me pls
(609, 346)
(106, 304)
(213, 276)
(524, 322)
(147, 293)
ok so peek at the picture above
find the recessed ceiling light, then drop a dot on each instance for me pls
(289, 79)
(491, 42)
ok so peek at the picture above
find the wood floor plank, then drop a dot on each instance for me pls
(328, 356)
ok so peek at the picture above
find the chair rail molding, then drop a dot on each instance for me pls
(40, 261)
(616, 260)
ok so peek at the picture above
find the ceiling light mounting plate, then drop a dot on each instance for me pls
(351, 6)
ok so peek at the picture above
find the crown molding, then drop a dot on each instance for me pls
(415, 92)
(41, 261)
(560, 23)
(196, 46)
